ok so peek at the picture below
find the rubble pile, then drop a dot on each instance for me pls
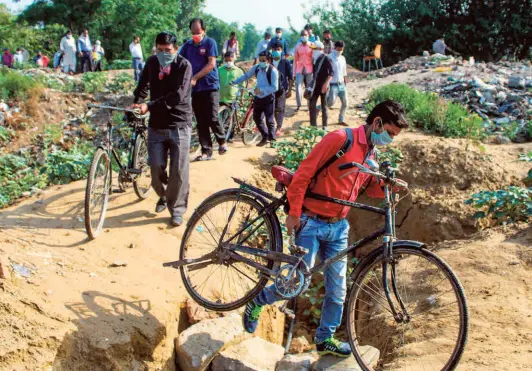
(500, 93)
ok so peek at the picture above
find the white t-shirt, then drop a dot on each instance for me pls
(136, 50)
(339, 68)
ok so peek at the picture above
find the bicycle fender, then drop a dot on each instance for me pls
(408, 243)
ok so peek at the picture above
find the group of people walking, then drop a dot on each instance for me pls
(90, 56)
(188, 81)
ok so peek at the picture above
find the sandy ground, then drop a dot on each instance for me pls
(74, 302)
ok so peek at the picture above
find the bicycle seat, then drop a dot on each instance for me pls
(282, 175)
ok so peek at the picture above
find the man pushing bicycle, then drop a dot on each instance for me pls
(321, 227)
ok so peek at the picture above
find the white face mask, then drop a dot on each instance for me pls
(339, 52)
(229, 64)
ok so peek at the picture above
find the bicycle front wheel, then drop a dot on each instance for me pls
(250, 133)
(97, 193)
(142, 182)
(223, 284)
(433, 335)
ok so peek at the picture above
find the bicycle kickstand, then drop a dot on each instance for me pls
(288, 312)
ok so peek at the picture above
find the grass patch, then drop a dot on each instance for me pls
(15, 86)
(431, 112)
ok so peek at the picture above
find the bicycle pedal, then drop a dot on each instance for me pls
(288, 312)
(119, 191)
(134, 171)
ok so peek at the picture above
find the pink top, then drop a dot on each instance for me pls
(303, 59)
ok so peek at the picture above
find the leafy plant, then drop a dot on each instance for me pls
(526, 157)
(93, 82)
(509, 205)
(65, 166)
(17, 175)
(511, 130)
(120, 64)
(122, 83)
(291, 153)
(5, 134)
(394, 155)
(430, 112)
(14, 85)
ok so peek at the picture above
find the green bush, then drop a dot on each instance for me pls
(5, 135)
(120, 64)
(122, 83)
(13, 85)
(431, 112)
(18, 175)
(509, 205)
(291, 153)
(65, 166)
(93, 82)
(394, 155)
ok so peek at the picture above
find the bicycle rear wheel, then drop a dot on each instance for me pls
(142, 182)
(435, 335)
(223, 284)
(195, 147)
(250, 133)
(97, 193)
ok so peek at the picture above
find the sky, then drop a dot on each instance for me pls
(262, 14)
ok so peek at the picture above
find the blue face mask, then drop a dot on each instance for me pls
(165, 58)
(263, 65)
(382, 139)
(276, 54)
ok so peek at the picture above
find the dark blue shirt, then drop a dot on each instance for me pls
(198, 56)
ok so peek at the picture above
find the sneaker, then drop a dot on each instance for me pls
(223, 149)
(263, 142)
(334, 347)
(251, 316)
(161, 205)
(177, 221)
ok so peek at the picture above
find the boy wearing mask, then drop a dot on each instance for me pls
(227, 73)
(264, 100)
(279, 40)
(323, 74)
(338, 87)
(285, 70)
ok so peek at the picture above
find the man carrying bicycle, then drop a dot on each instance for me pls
(167, 76)
(321, 227)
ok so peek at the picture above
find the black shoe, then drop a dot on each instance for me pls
(263, 142)
(334, 347)
(177, 221)
(161, 205)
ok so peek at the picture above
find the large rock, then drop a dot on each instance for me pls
(254, 354)
(271, 325)
(300, 344)
(331, 363)
(297, 362)
(198, 345)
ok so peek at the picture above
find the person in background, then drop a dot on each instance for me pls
(323, 74)
(285, 70)
(303, 67)
(25, 55)
(278, 39)
(7, 58)
(18, 59)
(231, 45)
(322, 227)
(328, 44)
(440, 47)
(338, 87)
(311, 37)
(68, 48)
(202, 52)
(264, 97)
(227, 73)
(137, 58)
(41, 60)
(58, 60)
(84, 51)
(167, 77)
(97, 55)
(262, 46)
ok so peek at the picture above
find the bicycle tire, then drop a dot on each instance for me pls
(141, 164)
(276, 244)
(94, 231)
(250, 133)
(375, 258)
(195, 147)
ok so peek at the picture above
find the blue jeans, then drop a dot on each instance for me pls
(326, 240)
(137, 67)
(302, 79)
(338, 91)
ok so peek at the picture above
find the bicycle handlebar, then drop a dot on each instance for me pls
(393, 181)
(135, 112)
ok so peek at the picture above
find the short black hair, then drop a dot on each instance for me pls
(327, 31)
(266, 54)
(267, 34)
(233, 33)
(19, 50)
(277, 45)
(303, 32)
(390, 112)
(194, 20)
(278, 29)
(68, 31)
(308, 26)
(339, 44)
(229, 54)
(165, 38)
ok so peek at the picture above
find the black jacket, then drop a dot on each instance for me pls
(285, 68)
(170, 104)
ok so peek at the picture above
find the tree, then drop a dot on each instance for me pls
(250, 39)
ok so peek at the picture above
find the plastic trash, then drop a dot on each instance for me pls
(21, 270)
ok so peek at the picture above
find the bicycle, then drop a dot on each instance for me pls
(404, 300)
(137, 172)
(245, 127)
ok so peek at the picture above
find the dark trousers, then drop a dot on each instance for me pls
(205, 105)
(86, 62)
(280, 106)
(98, 66)
(175, 185)
(265, 106)
(314, 112)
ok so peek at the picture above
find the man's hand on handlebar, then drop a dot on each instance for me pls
(293, 223)
(143, 108)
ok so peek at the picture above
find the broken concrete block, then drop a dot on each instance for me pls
(297, 362)
(254, 354)
(331, 363)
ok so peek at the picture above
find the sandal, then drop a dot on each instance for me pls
(204, 157)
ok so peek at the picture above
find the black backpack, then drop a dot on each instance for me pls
(280, 90)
